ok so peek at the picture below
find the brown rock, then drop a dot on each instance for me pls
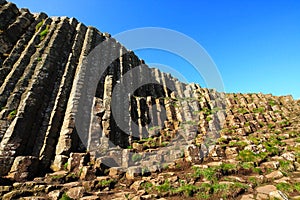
(193, 154)
(274, 175)
(278, 195)
(24, 168)
(116, 171)
(247, 197)
(270, 165)
(76, 192)
(54, 195)
(90, 198)
(266, 189)
(137, 185)
(289, 156)
(133, 172)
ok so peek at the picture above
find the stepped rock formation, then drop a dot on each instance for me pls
(59, 124)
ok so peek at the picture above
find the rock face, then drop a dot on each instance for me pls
(42, 74)
(67, 124)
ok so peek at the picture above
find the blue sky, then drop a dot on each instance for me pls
(255, 44)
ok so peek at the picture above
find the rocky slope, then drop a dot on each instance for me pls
(179, 139)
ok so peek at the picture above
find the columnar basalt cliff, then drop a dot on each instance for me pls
(169, 125)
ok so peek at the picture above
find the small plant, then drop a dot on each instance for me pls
(247, 156)
(247, 165)
(39, 59)
(38, 26)
(147, 186)
(272, 103)
(164, 144)
(284, 123)
(240, 144)
(129, 147)
(154, 128)
(208, 118)
(106, 183)
(44, 32)
(243, 111)
(165, 166)
(286, 166)
(297, 187)
(178, 166)
(259, 110)
(66, 165)
(187, 189)
(254, 181)
(271, 126)
(286, 187)
(12, 114)
(136, 157)
(227, 168)
(271, 149)
(165, 187)
(145, 171)
(65, 197)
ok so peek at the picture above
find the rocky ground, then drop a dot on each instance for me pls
(256, 157)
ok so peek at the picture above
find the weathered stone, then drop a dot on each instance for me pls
(247, 197)
(55, 194)
(278, 195)
(77, 161)
(24, 168)
(270, 165)
(87, 173)
(266, 189)
(59, 163)
(193, 154)
(274, 175)
(90, 198)
(116, 171)
(133, 172)
(289, 156)
(76, 192)
(137, 185)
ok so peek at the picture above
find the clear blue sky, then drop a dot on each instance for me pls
(254, 43)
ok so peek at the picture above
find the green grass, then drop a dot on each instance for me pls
(285, 166)
(271, 148)
(187, 190)
(147, 186)
(208, 173)
(240, 144)
(285, 187)
(65, 197)
(254, 181)
(66, 165)
(12, 114)
(38, 26)
(165, 187)
(44, 32)
(106, 183)
(259, 110)
(208, 118)
(249, 156)
(243, 111)
(247, 165)
(228, 168)
(272, 103)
